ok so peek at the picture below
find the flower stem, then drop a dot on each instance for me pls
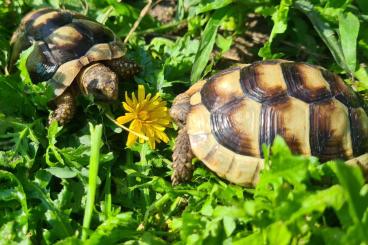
(96, 133)
(107, 208)
(125, 128)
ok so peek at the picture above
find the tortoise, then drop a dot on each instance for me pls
(72, 53)
(225, 119)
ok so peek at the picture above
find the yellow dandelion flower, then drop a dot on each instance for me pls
(148, 116)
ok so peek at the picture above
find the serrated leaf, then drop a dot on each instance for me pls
(229, 225)
(116, 229)
(278, 233)
(352, 181)
(62, 173)
(280, 19)
(22, 65)
(14, 209)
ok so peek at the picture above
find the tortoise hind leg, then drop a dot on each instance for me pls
(123, 67)
(182, 157)
(65, 108)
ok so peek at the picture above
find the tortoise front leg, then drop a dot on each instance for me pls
(182, 158)
(65, 108)
(182, 155)
(124, 68)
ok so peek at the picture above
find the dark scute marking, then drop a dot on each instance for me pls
(295, 82)
(41, 65)
(95, 31)
(208, 92)
(231, 165)
(322, 141)
(255, 173)
(211, 153)
(225, 132)
(273, 123)
(70, 52)
(249, 84)
(44, 30)
(31, 17)
(35, 14)
(267, 133)
(341, 91)
(359, 132)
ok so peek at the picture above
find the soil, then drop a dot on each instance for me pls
(164, 11)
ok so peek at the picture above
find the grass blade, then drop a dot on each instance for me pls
(349, 30)
(325, 31)
(108, 199)
(205, 47)
(96, 133)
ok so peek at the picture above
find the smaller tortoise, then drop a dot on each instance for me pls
(71, 52)
(225, 120)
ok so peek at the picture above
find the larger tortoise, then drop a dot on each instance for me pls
(225, 120)
(71, 51)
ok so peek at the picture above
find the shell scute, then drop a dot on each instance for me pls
(330, 134)
(41, 64)
(255, 82)
(221, 89)
(236, 126)
(340, 90)
(47, 23)
(95, 31)
(68, 43)
(359, 130)
(290, 119)
(245, 170)
(202, 144)
(305, 82)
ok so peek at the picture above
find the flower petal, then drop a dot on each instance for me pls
(128, 100)
(152, 143)
(136, 127)
(126, 118)
(127, 107)
(141, 93)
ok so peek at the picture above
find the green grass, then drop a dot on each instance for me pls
(78, 184)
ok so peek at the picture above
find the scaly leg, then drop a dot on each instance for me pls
(65, 108)
(124, 68)
(182, 159)
(182, 155)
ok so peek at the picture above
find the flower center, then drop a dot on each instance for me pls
(143, 115)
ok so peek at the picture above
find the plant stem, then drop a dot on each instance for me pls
(138, 21)
(96, 134)
(125, 128)
(107, 208)
(165, 27)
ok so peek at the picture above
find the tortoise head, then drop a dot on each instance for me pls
(180, 109)
(100, 82)
(181, 104)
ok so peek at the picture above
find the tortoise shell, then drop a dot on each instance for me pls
(236, 111)
(64, 42)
